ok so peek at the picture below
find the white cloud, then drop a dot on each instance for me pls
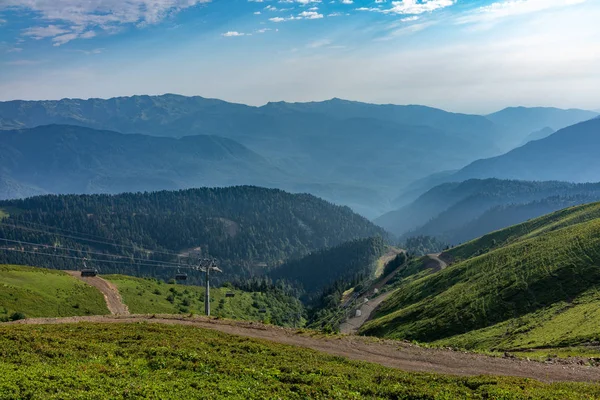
(41, 32)
(310, 15)
(319, 43)
(511, 8)
(71, 19)
(233, 34)
(302, 15)
(410, 7)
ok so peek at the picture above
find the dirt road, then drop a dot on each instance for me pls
(435, 258)
(352, 325)
(113, 299)
(385, 352)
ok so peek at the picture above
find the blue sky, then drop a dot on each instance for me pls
(470, 56)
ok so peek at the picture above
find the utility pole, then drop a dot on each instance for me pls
(206, 265)
(207, 294)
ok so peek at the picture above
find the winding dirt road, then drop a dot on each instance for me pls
(113, 299)
(385, 352)
(352, 325)
(436, 258)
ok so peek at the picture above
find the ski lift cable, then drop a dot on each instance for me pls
(80, 236)
(94, 260)
(17, 221)
(89, 252)
(92, 240)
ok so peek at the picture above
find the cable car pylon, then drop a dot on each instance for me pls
(207, 265)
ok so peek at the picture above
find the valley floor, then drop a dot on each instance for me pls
(388, 353)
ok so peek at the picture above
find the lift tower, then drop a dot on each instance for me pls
(207, 265)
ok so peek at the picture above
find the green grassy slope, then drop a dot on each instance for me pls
(38, 292)
(563, 218)
(149, 296)
(531, 285)
(138, 361)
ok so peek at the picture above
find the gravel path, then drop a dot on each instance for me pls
(113, 299)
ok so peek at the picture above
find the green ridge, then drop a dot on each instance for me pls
(150, 296)
(532, 285)
(38, 292)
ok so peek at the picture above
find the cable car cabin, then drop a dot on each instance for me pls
(181, 277)
(89, 272)
(262, 311)
(229, 294)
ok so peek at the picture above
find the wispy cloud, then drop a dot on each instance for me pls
(511, 8)
(73, 19)
(233, 34)
(23, 62)
(409, 7)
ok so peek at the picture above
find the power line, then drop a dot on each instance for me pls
(96, 260)
(92, 240)
(89, 252)
(58, 229)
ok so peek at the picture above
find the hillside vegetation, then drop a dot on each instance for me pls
(248, 229)
(37, 292)
(350, 263)
(528, 286)
(149, 296)
(136, 361)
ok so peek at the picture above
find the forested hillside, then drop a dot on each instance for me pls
(248, 229)
(346, 264)
(532, 285)
(457, 212)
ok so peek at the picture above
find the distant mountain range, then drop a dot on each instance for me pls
(537, 135)
(567, 155)
(571, 154)
(73, 159)
(457, 212)
(351, 153)
(521, 121)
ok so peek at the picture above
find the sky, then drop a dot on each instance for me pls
(467, 56)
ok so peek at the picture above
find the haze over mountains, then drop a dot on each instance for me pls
(351, 153)
(569, 155)
(73, 159)
(460, 211)
(537, 121)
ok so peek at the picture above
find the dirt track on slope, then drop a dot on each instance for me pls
(352, 325)
(435, 258)
(385, 352)
(113, 299)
